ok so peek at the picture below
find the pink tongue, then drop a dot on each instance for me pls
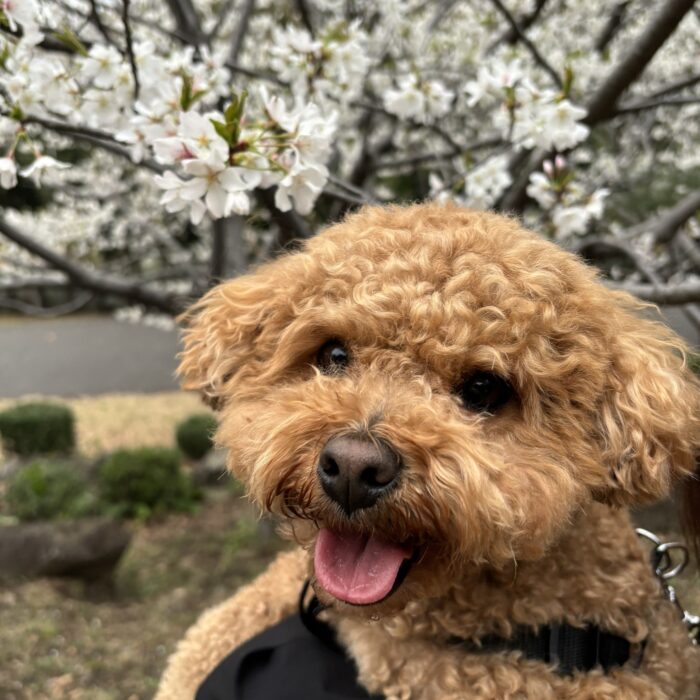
(356, 568)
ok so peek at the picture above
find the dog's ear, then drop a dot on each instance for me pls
(649, 414)
(229, 330)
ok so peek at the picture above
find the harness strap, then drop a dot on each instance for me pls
(566, 647)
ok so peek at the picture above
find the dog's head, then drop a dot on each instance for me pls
(426, 388)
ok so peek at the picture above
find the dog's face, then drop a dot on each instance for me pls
(425, 389)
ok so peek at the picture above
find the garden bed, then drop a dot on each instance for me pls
(68, 639)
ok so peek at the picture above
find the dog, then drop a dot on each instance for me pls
(449, 415)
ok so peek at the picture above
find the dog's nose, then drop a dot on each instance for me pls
(356, 471)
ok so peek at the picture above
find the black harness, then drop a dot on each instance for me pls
(300, 659)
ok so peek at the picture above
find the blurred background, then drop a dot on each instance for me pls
(152, 148)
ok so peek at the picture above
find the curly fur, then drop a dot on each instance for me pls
(516, 514)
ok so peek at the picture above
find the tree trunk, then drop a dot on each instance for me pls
(228, 252)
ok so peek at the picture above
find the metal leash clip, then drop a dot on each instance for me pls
(662, 562)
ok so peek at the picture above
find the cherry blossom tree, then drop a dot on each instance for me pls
(151, 147)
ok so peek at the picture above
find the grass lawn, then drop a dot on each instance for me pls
(111, 421)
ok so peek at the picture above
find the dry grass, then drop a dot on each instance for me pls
(112, 421)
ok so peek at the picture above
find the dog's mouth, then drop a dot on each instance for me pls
(360, 569)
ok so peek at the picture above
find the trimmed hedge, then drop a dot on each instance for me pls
(140, 482)
(44, 490)
(194, 435)
(38, 428)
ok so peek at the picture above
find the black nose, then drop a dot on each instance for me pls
(356, 471)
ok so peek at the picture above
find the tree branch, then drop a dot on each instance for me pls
(440, 13)
(676, 86)
(291, 225)
(241, 30)
(537, 56)
(68, 307)
(130, 47)
(666, 294)
(589, 246)
(251, 73)
(602, 104)
(437, 156)
(96, 282)
(221, 18)
(95, 137)
(65, 128)
(510, 36)
(665, 225)
(187, 20)
(434, 128)
(516, 195)
(689, 248)
(360, 196)
(101, 27)
(612, 26)
(660, 27)
(643, 105)
(305, 15)
(48, 43)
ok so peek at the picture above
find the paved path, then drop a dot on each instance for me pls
(83, 354)
(91, 354)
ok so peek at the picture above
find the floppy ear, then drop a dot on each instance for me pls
(649, 415)
(232, 328)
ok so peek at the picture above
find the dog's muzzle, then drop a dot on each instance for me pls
(356, 472)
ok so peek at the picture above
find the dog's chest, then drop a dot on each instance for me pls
(413, 669)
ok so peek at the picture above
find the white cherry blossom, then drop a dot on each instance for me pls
(223, 188)
(300, 187)
(407, 101)
(198, 134)
(570, 220)
(173, 199)
(102, 65)
(540, 189)
(41, 166)
(487, 182)
(100, 109)
(386, 104)
(8, 173)
(22, 12)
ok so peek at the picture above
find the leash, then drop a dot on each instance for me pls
(662, 563)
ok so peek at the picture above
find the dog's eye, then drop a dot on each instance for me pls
(484, 392)
(332, 357)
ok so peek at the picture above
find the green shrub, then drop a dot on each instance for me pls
(146, 480)
(693, 360)
(37, 428)
(44, 489)
(194, 435)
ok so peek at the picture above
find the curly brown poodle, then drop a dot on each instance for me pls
(450, 416)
